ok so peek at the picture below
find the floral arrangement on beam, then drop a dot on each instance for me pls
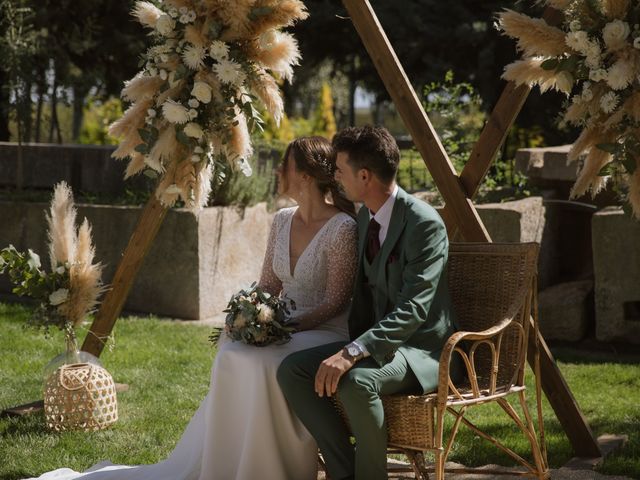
(193, 103)
(593, 56)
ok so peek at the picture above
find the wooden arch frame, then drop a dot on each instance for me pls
(457, 191)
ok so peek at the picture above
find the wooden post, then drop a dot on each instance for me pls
(457, 191)
(463, 213)
(145, 232)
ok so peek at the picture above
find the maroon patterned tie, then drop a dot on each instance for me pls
(373, 240)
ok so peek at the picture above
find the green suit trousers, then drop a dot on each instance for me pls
(359, 392)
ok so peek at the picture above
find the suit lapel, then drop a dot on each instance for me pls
(396, 226)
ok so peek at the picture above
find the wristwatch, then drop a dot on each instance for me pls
(353, 351)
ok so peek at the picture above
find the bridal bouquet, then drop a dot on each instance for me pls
(193, 102)
(593, 56)
(257, 318)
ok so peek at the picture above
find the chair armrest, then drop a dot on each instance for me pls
(445, 383)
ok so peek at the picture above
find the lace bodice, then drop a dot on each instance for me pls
(322, 281)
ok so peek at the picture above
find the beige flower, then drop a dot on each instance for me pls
(229, 72)
(59, 296)
(564, 82)
(175, 112)
(240, 321)
(165, 25)
(193, 130)
(218, 50)
(201, 91)
(193, 57)
(609, 102)
(615, 33)
(265, 314)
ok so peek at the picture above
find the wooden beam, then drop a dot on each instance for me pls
(486, 148)
(463, 213)
(139, 244)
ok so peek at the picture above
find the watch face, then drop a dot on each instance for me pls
(353, 351)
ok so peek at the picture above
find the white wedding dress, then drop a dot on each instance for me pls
(244, 429)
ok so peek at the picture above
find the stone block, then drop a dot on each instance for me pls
(192, 268)
(547, 164)
(616, 262)
(565, 310)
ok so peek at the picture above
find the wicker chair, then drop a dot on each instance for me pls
(493, 287)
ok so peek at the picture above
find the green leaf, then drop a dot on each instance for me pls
(150, 173)
(183, 137)
(549, 64)
(144, 135)
(215, 28)
(609, 147)
(629, 163)
(142, 148)
(607, 170)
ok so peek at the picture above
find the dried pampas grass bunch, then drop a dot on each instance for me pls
(594, 58)
(72, 256)
(192, 105)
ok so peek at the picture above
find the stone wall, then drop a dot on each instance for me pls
(192, 268)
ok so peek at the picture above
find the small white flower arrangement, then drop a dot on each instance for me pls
(192, 104)
(257, 318)
(593, 56)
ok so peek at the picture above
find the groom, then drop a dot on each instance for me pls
(400, 316)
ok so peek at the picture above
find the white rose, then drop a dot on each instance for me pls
(151, 112)
(198, 150)
(165, 25)
(60, 270)
(175, 112)
(564, 82)
(59, 296)
(163, 74)
(195, 158)
(193, 130)
(597, 75)
(615, 33)
(202, 91)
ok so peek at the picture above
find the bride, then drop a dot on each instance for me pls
(244, 429)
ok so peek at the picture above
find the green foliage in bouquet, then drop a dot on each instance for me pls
(258, 318)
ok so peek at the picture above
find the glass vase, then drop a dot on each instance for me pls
(71, 355)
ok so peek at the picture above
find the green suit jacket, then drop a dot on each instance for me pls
(404, 305)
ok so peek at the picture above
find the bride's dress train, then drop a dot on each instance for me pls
(244, 429)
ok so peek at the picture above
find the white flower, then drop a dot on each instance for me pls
(593, 55)
(59, 296)
(598, 75)
(184, 18)
(587, 94)
(615, 33)
(173, 13)
(245, 168)
(218, 50)
(564, 82)
(165, 25)
(163, 74)
(229, 72)
(202, 91)
(195, 158)
(193, 113)
(192, 15)
(153, 72)
(183, 10)
(175, 112)
(620, 75)
(198, 150)
(60, 270)
(172, 189)
(574, 25)
(193, 57)
(578, 41)
(193, 103)
(164, 57)
(151, 112)
(636, 42)
(265, 314)
(193, 130)
(172, 79)
(608, 102)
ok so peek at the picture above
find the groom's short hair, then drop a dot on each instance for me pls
(370, 147)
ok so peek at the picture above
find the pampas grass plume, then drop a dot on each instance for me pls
(61, 221)
(615, 8)
(634, 191)
(147, 13)
(588, 176)
(534, 36)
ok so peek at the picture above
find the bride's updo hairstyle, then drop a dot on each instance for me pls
(316, 157)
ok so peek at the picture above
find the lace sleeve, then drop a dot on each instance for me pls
(269, 281)
(342, 261)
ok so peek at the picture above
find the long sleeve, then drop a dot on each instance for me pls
(342, 261)
(269, 281)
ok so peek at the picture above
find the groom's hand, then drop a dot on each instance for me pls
(330, 372)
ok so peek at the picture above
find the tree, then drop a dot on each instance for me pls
(324, 122)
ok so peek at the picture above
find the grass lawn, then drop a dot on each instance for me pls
(167, 366)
